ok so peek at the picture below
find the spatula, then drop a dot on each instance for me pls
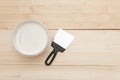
(61, 41)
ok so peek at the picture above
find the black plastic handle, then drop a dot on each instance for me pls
(50, 57)
(53, 54)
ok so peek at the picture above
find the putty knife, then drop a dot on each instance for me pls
(61, 41)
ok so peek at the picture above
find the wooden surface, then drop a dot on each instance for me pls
(93, 55)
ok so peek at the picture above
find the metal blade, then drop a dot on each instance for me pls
(63, 38)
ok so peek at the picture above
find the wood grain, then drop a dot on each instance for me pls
(93, 55)
(37, 72)
(67, 14)
(90, 47)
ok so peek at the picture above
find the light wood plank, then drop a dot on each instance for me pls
(90, 47)
(14, 10)
(15, 3)
(60, 75)
(23, 72)
(67, 14)
(37, 67)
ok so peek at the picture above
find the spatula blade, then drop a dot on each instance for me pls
(63, 38)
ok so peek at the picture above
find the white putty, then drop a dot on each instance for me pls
(30, 38)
